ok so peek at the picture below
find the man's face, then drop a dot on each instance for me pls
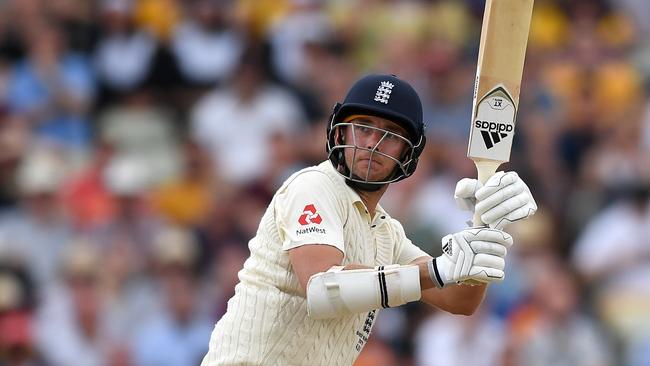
(377, 140)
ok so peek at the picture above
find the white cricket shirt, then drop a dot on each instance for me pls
(266, 322)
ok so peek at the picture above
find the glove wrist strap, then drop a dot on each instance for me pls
(434, 274)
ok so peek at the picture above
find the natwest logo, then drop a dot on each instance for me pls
(309, 216)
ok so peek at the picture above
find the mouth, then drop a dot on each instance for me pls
(366, 162)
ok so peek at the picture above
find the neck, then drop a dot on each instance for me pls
(371, 199)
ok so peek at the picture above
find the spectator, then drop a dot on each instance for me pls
(73, 327)
(227, 261)
(17, 344)
(36, 232)
(237, 122)
(188, 199)
(558, 334)
(305, 24)
(14, 139)
(138, 128)
(158, 17)
(124, 53)
(376, 353)
(127, 236)
(125, 244)
(446, 339)
(176, 335)
(53, 88)
(17, 303)
(205, 45)
(86, 195)
(612, 255)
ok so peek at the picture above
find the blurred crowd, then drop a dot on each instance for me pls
(141, 140)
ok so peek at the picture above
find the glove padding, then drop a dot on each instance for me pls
(503, 199)
(472, 254)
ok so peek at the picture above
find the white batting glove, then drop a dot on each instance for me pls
(465, 193)
(503, 199)
(472, 254)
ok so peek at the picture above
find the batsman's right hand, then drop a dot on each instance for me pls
(476, 254)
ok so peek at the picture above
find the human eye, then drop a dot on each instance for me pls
(364, 129)
(393, 136)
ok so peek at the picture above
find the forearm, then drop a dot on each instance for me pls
(456, 299)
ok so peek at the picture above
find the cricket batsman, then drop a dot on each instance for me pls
(327, 257)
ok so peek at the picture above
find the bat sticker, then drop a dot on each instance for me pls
(493, 126)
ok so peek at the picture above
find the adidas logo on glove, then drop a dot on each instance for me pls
(447, 247)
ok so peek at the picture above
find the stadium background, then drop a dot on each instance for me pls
(140, 142)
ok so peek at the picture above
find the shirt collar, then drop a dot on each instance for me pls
(352, 195)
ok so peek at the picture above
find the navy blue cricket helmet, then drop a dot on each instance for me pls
(384, 96)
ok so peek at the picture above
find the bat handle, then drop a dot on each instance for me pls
(485, 169)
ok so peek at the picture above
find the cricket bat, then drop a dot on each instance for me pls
(502, 50)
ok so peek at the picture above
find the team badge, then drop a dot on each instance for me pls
(383, 92)
(309, 216)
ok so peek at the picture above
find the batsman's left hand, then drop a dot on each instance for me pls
(503, 199)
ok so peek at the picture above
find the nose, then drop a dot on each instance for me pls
(373, 138)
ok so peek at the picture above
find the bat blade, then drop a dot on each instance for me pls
(504, 37)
